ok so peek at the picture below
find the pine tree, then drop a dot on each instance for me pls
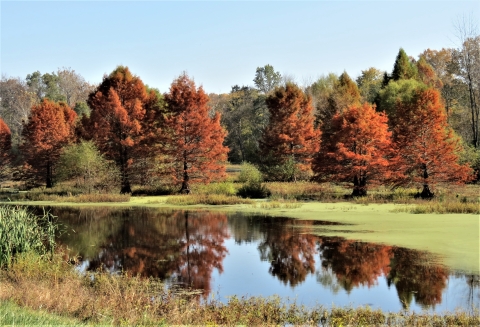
(403, 67)
(193, 141)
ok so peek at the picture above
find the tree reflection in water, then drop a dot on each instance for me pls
(354, 263)
(290, 252)
(186, 247)
(179, 246)
(414, 277)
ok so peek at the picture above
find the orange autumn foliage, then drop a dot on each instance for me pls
(117, 123)
(358, 150)
(50, 126)
(193, 141)
(290, 134)
(427, 148)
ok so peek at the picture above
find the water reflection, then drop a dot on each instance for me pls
(414, 279)
(188, 248)
(291, 254)
(180, 246)
(354, 263)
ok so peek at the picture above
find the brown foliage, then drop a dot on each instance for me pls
(118, 122)
(427, 148)
(193, 141)
(290, 133)
(50, 126)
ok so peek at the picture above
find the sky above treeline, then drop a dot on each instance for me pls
(221, 43)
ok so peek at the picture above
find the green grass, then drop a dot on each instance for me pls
(22, 231)
(14, 315)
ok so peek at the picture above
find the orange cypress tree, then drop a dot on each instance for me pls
(5, 147)
(427, 148)
(290, 137)
(358, 149)
(50, 126)
(193, 141)
(118, 120)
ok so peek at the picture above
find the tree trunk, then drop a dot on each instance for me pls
(359, 186)
(426, 193)
(125, 180)
(125, 185)
(185, 186)
(49, 180)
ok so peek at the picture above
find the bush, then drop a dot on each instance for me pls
(250, 174)
(84, 163)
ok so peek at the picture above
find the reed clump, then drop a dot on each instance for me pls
(22, 231)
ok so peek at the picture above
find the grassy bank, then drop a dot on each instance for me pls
(33, 283)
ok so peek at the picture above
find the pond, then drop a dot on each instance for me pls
(246, 255)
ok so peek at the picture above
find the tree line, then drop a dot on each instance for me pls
(416, 124)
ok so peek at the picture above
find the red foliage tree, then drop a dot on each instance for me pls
(290, 134)
(50, 126)
(120, 117)
(428, 150)
(357, 150)
(193, 140)
(5, 147)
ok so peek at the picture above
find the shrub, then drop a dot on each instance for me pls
(84, 163)
(249, 174)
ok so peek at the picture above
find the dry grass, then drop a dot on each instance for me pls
(442, 207)
(277, 205)
(69, 197)
(101, 298)
(212, 199)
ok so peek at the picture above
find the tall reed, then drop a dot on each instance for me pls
(22, 231)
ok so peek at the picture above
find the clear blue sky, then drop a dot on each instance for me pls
(221, 43)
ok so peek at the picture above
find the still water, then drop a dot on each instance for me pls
(234, 254)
